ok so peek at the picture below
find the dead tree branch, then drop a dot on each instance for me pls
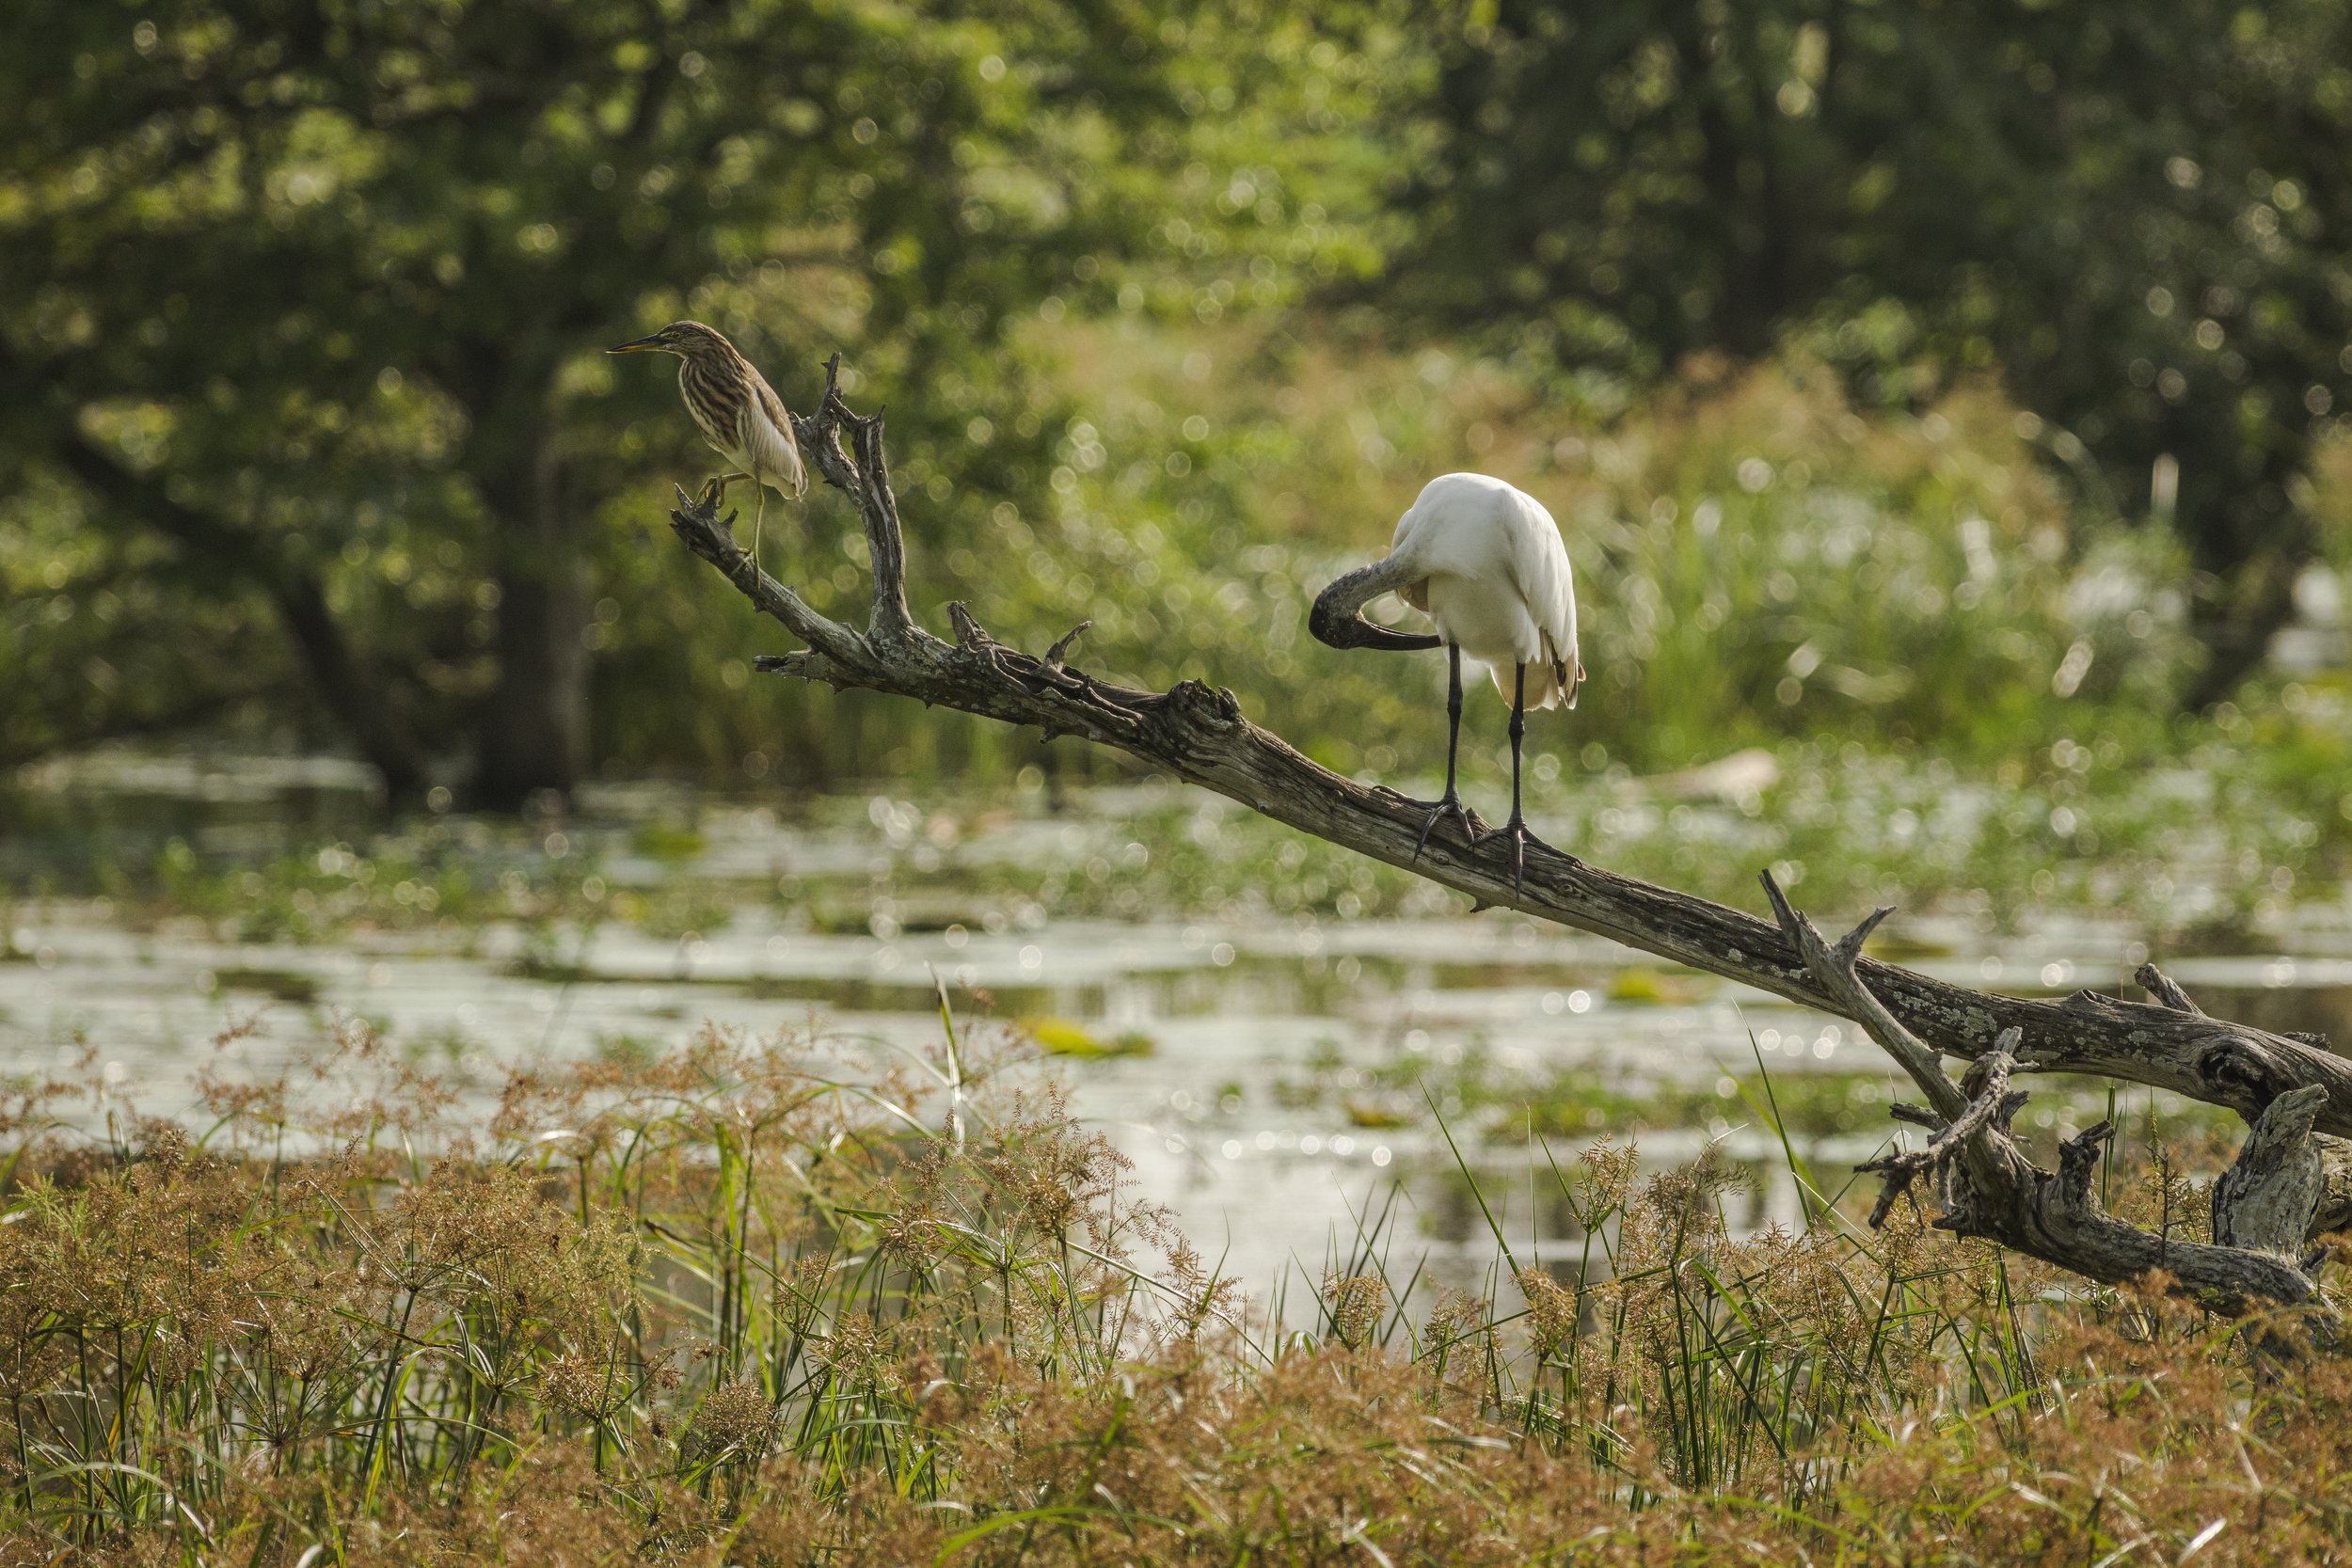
(1198, 734)
(1993, 1099)
(2332, 1207)
(1993, 1191)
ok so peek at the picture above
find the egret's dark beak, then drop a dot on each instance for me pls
(637, 346)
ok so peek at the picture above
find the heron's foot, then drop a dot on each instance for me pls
(1450, 804)
(1515, 831)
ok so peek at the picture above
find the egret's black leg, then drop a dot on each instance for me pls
(1450, 804)
(1515, 830)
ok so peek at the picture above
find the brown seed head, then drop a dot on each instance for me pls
(735, 1416)
(1551, 1311)
(1356, 1301)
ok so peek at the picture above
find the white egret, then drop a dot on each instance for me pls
(1485, 561)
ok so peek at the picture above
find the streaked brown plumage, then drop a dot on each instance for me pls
(736, 409)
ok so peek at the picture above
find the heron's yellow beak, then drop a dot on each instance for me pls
(638, 345)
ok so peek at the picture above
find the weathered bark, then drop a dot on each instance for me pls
(2269, 1197)
(1198, 734)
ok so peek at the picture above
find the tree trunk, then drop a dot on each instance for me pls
(2246, 531)
(353, 696)
(535, 725)
(2237, 639)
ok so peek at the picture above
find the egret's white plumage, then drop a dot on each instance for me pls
(1488, 566)
(1485, 562)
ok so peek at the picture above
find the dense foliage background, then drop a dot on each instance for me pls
(1964, 377)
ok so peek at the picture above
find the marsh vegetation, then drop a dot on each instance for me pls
(735, 1304)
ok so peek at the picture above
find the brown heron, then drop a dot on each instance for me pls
(739, 414)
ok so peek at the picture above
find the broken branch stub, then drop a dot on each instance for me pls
(1198, 734)
(1989, 1098)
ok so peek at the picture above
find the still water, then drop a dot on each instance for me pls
(1277, 1075)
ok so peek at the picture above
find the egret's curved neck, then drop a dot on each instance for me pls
(1336, 618)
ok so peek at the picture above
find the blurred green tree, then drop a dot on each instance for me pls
(2138, 214)
(300, 305)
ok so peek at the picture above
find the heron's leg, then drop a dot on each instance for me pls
(715, 488)
(1515, 830)
(759, 517)
(1450, 804)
